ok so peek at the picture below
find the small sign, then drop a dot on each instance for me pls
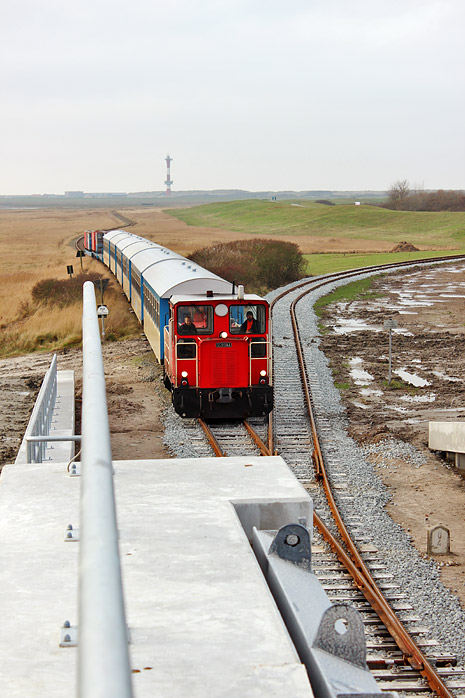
(438, 541)
(390, 324)
(102, 311)
(224, 344)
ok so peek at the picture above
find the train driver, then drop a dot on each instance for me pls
(250, 325)
(187, 326)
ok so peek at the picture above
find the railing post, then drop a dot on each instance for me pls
(103, 656)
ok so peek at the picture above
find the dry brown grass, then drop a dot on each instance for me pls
(36, 245)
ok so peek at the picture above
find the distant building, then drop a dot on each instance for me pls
(75, 194)
(357, 203)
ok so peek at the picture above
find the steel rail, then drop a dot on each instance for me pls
(264, 450)
(270, 434)
(211, 439)
(356, 566)
(411, 652)
(128, 222)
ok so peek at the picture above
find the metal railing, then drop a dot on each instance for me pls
(103, 656)
(41, 417)
(32, 441)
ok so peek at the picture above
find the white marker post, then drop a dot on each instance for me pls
(102, 312)
(390, 324)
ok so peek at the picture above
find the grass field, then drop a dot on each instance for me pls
(445, 230)
(328, 263)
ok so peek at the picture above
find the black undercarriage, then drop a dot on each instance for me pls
(223, 403)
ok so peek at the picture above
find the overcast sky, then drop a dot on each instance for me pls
(250, 94)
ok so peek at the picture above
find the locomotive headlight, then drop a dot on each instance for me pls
(184, 374)
(223, 335)
(263, 373)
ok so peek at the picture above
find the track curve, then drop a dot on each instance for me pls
(345, 549)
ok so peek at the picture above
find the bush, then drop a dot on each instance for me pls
(402, 198)
(61, 292)
(257, 264)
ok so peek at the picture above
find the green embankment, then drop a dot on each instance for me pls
(441, 231)
(363, 222)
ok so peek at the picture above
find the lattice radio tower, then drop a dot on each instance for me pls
(168, 180)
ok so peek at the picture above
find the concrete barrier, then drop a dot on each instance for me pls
(449, 437)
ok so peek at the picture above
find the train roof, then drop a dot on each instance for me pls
(179, 276)
(147, 251)
(113, 233)
(126, 242)
(116, 236)
(249, 298)
(143, 258)
(131, 246)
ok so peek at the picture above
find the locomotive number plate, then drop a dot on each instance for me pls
(224, 344)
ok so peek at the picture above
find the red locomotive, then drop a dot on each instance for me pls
(218, 355)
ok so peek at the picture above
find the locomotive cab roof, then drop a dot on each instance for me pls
(217, 297)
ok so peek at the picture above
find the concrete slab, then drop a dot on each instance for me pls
(62, 425)
(202, 620)
(449, 437)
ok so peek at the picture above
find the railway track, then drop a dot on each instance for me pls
(229, 439)
(400, 654)
(127, 223)
(343, 583)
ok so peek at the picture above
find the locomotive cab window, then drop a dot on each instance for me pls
(247, 319)
(194, 319)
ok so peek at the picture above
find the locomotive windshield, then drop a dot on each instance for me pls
(247, 319)
(195, 319)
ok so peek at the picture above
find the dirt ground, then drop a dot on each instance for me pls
(429, 346)
(136, 398)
